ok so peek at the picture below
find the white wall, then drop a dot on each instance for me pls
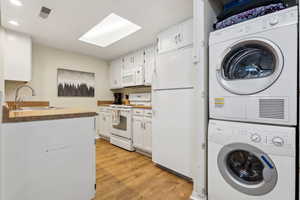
(45, 61)
(1, 60)
(1, 89)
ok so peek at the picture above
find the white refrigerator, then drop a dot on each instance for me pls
(1, 150)
(173, 110)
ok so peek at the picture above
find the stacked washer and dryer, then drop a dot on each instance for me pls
(253, 109)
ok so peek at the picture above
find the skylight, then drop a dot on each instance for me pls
(110, 30)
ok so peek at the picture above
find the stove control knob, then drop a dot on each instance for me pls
(255, 138)
(278, 141)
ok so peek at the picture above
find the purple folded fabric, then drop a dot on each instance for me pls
(250, 14)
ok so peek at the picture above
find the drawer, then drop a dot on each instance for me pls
(104, 109)
(148, 113)
(139, 112)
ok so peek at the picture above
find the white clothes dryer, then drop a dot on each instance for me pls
(253, 70)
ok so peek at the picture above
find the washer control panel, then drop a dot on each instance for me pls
(275, 140)
(268, 139)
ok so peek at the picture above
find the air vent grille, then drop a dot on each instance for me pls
(271, 108)
(44, 13)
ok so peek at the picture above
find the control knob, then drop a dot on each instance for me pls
(274, 21)
(278, 141)
(255, 138)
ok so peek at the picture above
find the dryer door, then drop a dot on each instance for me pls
(250, 66)
(247, 169)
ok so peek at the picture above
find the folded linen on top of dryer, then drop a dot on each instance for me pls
(239, 6)
(250, 14)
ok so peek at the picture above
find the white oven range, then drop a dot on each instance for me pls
(121, 130)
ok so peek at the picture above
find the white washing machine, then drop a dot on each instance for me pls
(251, 162)
(253, 70)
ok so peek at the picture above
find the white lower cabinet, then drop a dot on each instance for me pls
(49, 160)
(148, 134)
(142, 130)
(104, 122)
(138, 132)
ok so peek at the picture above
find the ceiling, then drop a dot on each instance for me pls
(70, 19)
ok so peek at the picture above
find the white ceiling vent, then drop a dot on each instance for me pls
(44, 13)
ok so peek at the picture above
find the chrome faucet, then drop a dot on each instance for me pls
(17, 99)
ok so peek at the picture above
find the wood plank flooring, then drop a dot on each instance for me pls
(123, 175)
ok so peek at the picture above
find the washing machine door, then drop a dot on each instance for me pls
(250, 66)
(247, 169)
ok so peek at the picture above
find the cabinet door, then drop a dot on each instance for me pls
(140, 76)
(138, 132)
(101, 121)
(139, 61)
(128, 63)
(167, 40)
(149, 64)
(17, 56)
(115, 74)
(148, 135)
(108, 124)
(186, 33)
(128, 71)
(139, 58)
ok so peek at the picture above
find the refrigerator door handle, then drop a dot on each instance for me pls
(169, 89)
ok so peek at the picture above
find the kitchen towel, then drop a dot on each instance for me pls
(115, 117)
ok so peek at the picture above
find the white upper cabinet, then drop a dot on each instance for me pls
(133, 69)
(168, 40)
(186, 33)
(139, 61)
(176, 37)
(115, 74)
(17, 56)
(128, 63)
(150, 60)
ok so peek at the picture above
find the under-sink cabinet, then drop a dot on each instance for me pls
(142, 130)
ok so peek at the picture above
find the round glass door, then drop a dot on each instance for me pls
(250, 66)
(247, 169)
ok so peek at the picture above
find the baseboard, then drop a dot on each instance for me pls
(196, 196)
(143, 152)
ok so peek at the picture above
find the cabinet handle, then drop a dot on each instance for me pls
(179, 37)
(176, 39)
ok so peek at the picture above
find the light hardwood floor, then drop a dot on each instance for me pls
(123, 175)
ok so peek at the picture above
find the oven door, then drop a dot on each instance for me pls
(123, 129)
